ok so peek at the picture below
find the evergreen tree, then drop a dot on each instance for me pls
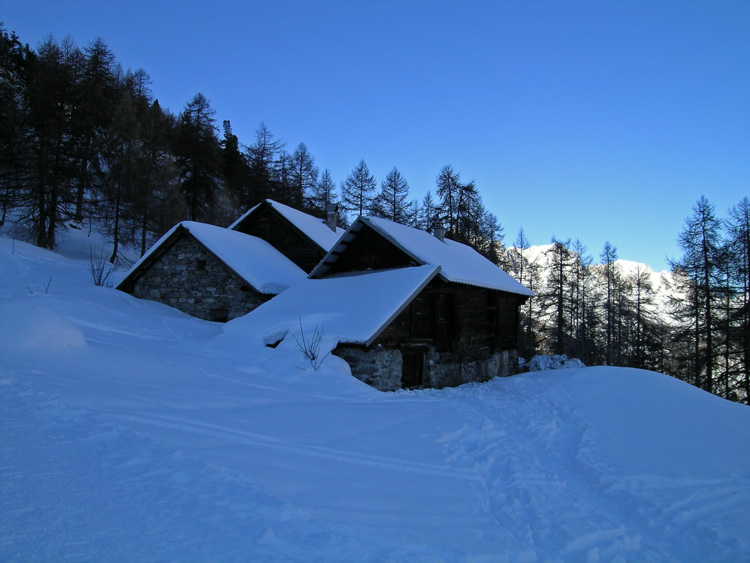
(429, 213)
(526, 271)
(97, 95)
(263, 156)
(50, 99)
(582, 319)
(738, 226)
(197, 150)
(608, 257)
(159, 174)
(392, 201)
(303, 177)
(700, 243)
(235, 168)
(122, 161)
(448, 188)
(324, 194)
(356, 193)
(15, 59)
(555, 297)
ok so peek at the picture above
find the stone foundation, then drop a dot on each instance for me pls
(442, 370)
(378, 366)
(381, 367)
(190, 279)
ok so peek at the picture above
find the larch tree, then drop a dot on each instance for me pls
(197, 150)
(263, 156)
(303, 177)
(324, 193)
(357, 191)
(700, 243)
(392, 202)
(610, 275)
(738, 226)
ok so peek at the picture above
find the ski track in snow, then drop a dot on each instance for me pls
(538, 469)
(259, 440)
(136, 500)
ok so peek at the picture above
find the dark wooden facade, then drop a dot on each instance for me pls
(465, 323)
(268, 224)
(454, 322)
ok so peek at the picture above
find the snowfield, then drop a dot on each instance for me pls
(132, 432)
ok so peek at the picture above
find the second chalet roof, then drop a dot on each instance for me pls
(316, 229)
(458, 263)
(350, 308)
(252, 259)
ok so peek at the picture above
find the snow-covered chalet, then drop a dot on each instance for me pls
(302, 238)
(210, 272)
(219, 274)
(403, 308)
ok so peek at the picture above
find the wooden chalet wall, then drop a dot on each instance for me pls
(368, 250)
(469, 322)
(269, 225)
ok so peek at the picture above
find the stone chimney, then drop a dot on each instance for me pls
(439, 231)
(332, 215)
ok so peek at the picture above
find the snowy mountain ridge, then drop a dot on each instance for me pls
(662, 283)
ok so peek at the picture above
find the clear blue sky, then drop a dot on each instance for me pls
(592, 120)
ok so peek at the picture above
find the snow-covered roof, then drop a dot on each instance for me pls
(252, 259)
(351, 308)
(458, 263)
(316, 229)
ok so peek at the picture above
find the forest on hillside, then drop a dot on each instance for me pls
(85, 144)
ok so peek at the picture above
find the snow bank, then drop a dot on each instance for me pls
(544, 363)
(26, 326)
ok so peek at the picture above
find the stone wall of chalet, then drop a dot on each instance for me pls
(192, 280)
(443, 370)
(381, 367)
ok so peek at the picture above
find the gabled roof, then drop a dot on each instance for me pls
(351, 308)
(458, 263)
(253, 260)
(312, 227)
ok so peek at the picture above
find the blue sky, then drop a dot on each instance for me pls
(603, 121)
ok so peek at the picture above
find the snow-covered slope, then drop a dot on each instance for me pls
(132, 432)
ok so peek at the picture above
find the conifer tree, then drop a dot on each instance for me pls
(263, 158)
(356, 193)
(197, 150)
(392, 202)
(324, 193)
(303, 177)
(700, 243)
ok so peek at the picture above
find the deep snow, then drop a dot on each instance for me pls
(132, 432)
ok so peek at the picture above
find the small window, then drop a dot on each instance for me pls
(200, 264)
